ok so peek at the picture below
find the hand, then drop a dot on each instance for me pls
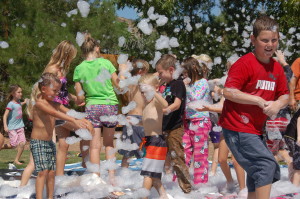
(292, 104)
(271, 109)
(186, 81)
(280, 57)
(81, 124)
(204, 108)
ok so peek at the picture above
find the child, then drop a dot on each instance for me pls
(95, 77)
(175, 94)
(253, 83)
(59, 64)
(155, 144)
(42, 147)
(197, 124)
(292, 139)
(13, 122)
(140, 67)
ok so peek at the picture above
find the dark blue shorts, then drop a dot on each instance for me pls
(252, 154)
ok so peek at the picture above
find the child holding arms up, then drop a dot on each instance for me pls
(42, 147)
(175, 95)
(255, 89)
(197, 124)
(13, 121)
(155, 144)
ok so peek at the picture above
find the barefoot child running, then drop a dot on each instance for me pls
(155, 144)
(42, 147)
(13, 121)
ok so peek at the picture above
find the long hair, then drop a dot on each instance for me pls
(62, 56)
(88, 45)
(193, 69)
(46, 80)
(11, 90)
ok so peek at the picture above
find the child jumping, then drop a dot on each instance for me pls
(154, 141)
(13, 121)
(256, 88)
(42, 147)
(197, 124)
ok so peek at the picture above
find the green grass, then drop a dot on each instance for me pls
(8, 156)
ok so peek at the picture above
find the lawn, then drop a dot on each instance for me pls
(8, 155)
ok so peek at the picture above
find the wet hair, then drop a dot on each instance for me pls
(139, 65)
(46, 80)
(62, 56)
(193, 69)
(166, 61)
(149, 79)
(11, 90)
(88, 45)
(264, 22)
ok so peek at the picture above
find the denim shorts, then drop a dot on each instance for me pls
(252, 154)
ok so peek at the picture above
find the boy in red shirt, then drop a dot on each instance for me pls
(256, 88)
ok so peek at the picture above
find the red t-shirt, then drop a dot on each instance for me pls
(296, 70)
(253, 77)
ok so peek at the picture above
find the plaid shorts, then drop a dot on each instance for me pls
(44, 154)
(95, 111)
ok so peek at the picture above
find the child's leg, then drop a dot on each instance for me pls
(95, 147)
(174, 142)
(223, 155)
(160, 188)
(27, 172)
(263, 192)
(240, 173)
(296, 178)
(187, 140)
(200, 143)
(108, 142)
(84, 153)
(215, 162)
(1, 140)
(20, 149)
(50, 181)
(147, 183)
(62, 134)
(39, 183)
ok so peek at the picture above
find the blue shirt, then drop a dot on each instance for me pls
(14, 120)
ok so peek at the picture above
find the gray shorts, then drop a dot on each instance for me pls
(252, 154)
(136, 137)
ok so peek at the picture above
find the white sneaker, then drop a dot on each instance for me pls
(243, 193)
(11, 166)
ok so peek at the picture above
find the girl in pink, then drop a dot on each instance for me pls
(197, 124)
(13, 121)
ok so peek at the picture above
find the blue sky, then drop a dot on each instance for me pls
(130, 13)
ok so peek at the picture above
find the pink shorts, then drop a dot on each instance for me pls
(16, 136)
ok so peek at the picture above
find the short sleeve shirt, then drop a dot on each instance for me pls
(175, 88)
(15, 116)
(95, 78)
(255, 78)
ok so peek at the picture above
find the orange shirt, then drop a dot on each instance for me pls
(296, 70)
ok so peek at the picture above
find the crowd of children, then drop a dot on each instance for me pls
(176, 116)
